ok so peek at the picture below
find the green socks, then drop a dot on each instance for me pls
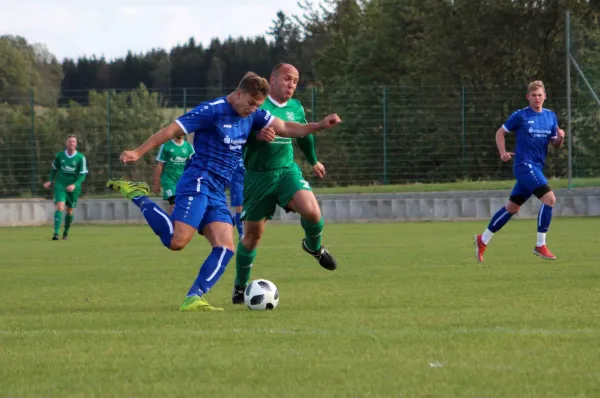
(68, 221)
(313, 232)
(57, 220)
(243, 265)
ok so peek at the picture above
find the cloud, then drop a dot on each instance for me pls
(71, 28)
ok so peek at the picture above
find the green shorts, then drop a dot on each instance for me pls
(264, 191)
(169, 192)
(69, 198)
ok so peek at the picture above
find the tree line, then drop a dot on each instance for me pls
(425, 81)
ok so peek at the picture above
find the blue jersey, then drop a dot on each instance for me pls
(220, 134)
(533, 130)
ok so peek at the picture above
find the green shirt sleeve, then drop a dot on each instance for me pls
(83, 172)
(54, 170)
(307, 144)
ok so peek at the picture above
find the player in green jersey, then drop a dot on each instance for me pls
(273, 178)
(170, 162)
(70, 169)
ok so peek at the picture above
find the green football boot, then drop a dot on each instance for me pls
(195, 303)
(129, 189)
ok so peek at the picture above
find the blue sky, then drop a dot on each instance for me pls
(73, 28)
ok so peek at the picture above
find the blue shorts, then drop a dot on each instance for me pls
(200, 201)
(236, 188)
(529, 177)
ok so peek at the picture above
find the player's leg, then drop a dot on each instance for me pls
(71, 203)
(169, 196)
(171, 200)
(245, 256)
(260, 203)
(546, 196)
(519, 195)
(296, 195)
(60, 197)
(217, 227)
(236, 191)
(174, 232)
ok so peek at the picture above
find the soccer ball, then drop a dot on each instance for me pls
(261, 294)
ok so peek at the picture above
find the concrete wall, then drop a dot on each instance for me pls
(424, 206)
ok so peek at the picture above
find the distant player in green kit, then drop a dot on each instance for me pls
(273, 178)
(70, 169)
(171, 159)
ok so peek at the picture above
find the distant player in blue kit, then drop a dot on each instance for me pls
(535, 128)
(221, 129)
(236, 195)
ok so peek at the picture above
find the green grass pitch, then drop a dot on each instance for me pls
(408, 313)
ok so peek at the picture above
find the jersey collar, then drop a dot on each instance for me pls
(70, 156)
(182, 142)
(277, 104)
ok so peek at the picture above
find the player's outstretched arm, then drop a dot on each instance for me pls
(297, 130)
(171, 131)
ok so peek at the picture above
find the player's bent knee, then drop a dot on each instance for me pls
(542, 191)
(178, 244)
(250, 242)
(513, 207)
(549, 199)
(60, 206)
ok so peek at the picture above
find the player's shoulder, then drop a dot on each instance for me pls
(548, 112)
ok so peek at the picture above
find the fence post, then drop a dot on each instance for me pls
(108, 138)
(385, 134)
(184, 100)
(568, 78)
(463, 97)
(33, 149)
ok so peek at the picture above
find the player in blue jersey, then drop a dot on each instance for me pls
(221, 129)
(236, 195)
(535, 128)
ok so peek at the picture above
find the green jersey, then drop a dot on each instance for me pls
(68, 168)
(260, 156)
(174, 156)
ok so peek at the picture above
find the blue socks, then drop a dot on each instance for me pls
(544, 218)
(499, 220)
(211, 271)
(239, 224)
(159, 221)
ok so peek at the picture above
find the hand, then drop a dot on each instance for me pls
(70, 188)
(267, 134)
(129, 156)
(506, 156)
(329, 122)
(319, 170)
(559, 139)
(47, 184)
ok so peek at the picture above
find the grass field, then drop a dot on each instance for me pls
(408, 313)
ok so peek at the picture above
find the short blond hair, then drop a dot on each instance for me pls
(71, 136)
(254, 85)
(534, 85)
